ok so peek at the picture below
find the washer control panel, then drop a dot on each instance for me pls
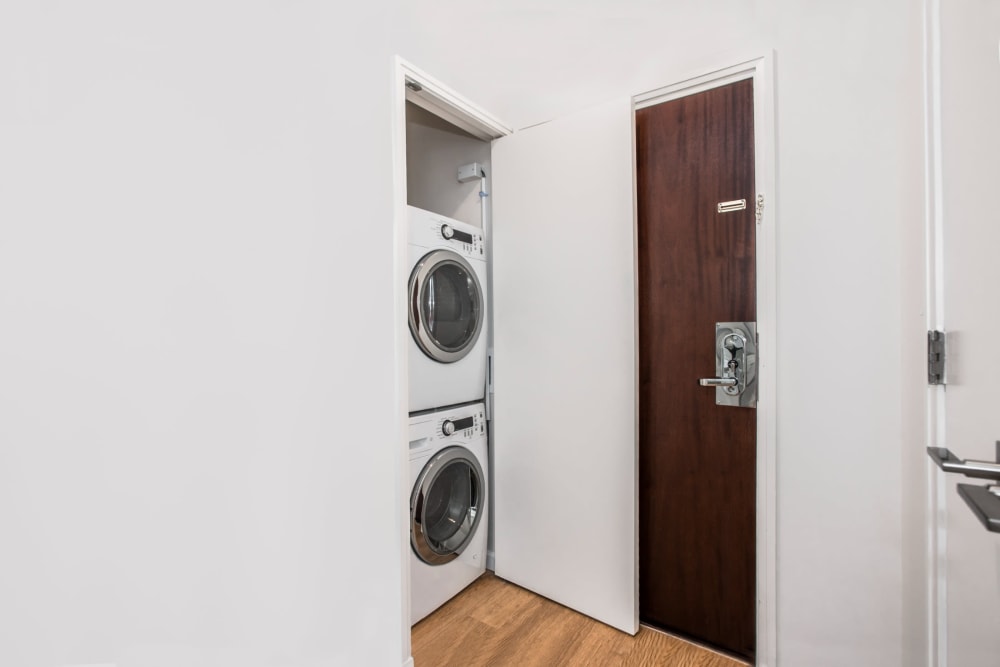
(474, 424)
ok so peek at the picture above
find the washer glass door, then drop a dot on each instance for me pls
(446, 505)
(446, 306)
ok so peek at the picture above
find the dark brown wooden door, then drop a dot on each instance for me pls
(697, 492)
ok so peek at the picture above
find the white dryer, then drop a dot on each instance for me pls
(447, 311)
(448, 504)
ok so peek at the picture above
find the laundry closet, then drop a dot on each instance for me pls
(448, 315)
(560, 396)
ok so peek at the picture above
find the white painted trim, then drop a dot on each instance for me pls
(695, 85)
(409, 662)
(400, 342)
(636, 361)
(456, 109)
(449, 105)
(765, 137)
(936, 492)
(761, 70)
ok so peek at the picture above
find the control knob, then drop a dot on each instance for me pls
(447, 232)
(448, 427)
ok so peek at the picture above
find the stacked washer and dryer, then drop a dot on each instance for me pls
(448, 438)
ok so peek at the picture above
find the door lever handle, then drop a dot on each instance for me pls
(984, 501)
(951, 463)
(718, 382)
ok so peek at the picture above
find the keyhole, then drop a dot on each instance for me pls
(734, 345)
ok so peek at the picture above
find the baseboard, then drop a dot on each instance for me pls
(409, 662)
(491, 560)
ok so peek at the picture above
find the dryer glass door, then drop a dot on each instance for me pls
(446, 505)
(446, 306)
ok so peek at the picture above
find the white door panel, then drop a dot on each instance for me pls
(970, 144)
(564, 344)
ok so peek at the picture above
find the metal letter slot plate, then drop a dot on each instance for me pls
(735, 205)
(736, 356)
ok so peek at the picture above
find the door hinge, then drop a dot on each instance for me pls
(936, 357)
(759, 210)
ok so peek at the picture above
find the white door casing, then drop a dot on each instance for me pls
(965, 235)
(565, 411)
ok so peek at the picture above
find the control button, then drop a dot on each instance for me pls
(447, 427)
(447, 232)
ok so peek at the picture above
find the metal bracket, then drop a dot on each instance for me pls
(936, 357)
(759, 210)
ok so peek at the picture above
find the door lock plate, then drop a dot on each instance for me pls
(735, 364)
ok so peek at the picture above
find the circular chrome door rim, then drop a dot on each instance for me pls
(418, 279)
(422, 487)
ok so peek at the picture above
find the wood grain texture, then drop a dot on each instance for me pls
(495, 623)
(697, 475)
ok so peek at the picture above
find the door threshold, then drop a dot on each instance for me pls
(707, 647)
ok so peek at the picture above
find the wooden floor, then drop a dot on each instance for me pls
(494, 622)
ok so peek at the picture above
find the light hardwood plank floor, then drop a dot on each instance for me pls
(495, 623)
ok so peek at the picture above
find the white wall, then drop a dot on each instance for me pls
(197, 451)
(195, 200)
(850, 204)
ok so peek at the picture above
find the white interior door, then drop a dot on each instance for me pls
(970, 277)
(564, 346)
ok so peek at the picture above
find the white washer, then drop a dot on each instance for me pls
(448, 504)
(447, 311)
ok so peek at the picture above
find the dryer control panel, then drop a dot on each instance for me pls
(430, 230)
(470, 243)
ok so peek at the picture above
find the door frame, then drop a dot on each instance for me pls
(760, 69)
(440, 99)
(932, 564)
